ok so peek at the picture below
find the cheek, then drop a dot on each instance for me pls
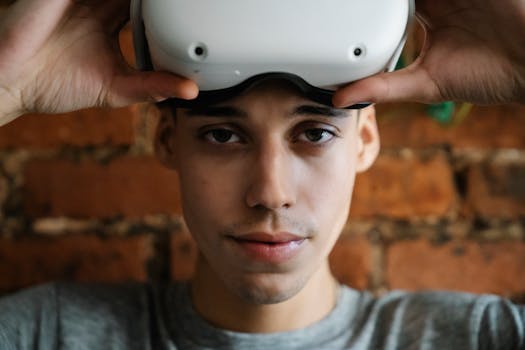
(199, 214)
(208, 194)
(327, 190)
(331, 178)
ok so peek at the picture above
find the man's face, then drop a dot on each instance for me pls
(266, 182)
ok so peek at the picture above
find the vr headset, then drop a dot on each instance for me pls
(230, 45)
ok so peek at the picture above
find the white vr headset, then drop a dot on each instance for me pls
(227, 46)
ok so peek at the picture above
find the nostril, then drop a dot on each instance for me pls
(259, 207)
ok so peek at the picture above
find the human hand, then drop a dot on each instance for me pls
(474, 52)
(61, 55)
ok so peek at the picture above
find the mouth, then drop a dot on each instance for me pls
(270, 248)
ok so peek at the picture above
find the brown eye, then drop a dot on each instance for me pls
(221, 136)
(316, 135)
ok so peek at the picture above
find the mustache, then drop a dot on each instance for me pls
(271, 222)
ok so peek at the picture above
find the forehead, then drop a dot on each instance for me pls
(269, 97)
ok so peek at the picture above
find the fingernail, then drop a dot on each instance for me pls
(190, 91)
(159, 98)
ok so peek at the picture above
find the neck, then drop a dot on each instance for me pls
(224, 309)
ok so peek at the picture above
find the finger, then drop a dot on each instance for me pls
(149, 87)
(409, 84)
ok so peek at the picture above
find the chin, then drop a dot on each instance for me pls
(264, 289)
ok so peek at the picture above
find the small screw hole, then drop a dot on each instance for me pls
(358, 51)
(199, 51)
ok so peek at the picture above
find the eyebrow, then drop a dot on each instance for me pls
(216, 111)
(230, 111)
(320, 111)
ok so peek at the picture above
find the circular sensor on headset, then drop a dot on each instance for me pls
(357, 52)
(198, 51)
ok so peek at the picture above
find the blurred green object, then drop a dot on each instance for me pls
(443, 113)
(400, 63)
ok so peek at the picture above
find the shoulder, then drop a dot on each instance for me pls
(75, 295)
(95, 298)
(28, 314)
(27, 303)
(79, 316)
(452, 318)
(95, 314)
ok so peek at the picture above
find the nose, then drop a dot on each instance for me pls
(271, 178)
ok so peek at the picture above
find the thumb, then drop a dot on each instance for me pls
(409, 84)
(138, 87)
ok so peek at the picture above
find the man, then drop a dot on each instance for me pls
(266, 181)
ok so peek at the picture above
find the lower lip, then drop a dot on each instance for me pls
(275, 253)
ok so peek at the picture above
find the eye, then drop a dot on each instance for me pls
(221, 136)
(316, 135)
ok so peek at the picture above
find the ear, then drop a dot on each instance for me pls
(369, 144)
(164, 139)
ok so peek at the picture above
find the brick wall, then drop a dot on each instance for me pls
(82, 198)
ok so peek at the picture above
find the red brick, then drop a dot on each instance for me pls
(351, 261)
(130, 187)
(400, 187)
(83, 258)
(184, 253)
(460, 265)
(81, 128)
(408, 125)
(496, 190)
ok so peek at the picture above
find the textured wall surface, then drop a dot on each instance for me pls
(83, 198)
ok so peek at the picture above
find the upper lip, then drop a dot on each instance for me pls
(264, 237)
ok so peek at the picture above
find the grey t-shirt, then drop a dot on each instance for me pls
(136, 316)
